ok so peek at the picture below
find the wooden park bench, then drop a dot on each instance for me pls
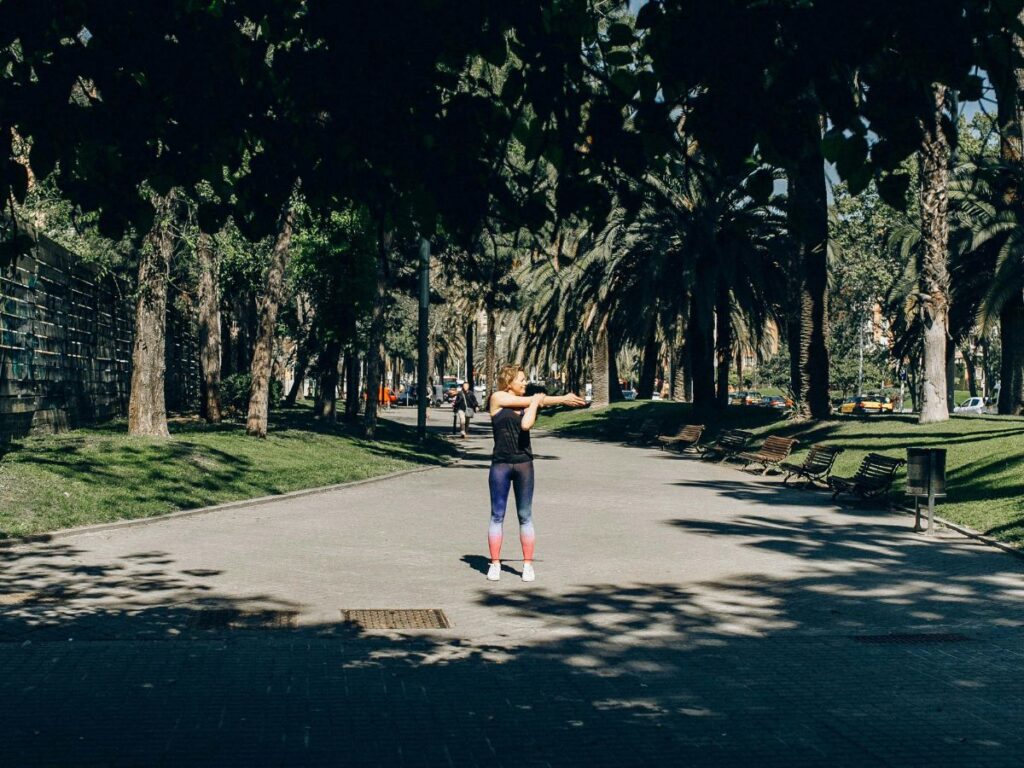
(815, 466)
(729, 443)
(874, 478)
(687, 437)
(647, 433)
(772, 452)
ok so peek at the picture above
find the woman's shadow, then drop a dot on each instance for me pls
(481, 563)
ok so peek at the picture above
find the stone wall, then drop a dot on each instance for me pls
(65, 346)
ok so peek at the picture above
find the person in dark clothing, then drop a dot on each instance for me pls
(512, 416)
(465, 407)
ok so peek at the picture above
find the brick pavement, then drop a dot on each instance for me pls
(684, 613)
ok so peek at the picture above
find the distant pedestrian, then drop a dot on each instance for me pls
(512, 416)
(465, 407)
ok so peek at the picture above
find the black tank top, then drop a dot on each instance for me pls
(511, 441)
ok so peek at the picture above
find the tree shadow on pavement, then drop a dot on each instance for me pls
(137, 662)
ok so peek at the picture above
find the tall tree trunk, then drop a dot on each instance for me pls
(147, 409)
(301, 369)
(679, 362)
(469, 354)
(259, 395)
(723, 344)
(376, 342)
(971, 362)
(1011, 370)
(950, 374)
(614, 388)
(808, 218)
(351, 386)
(649, 366)
(1009, 87)
(327, 381)
(209, 331)
(602, 352)
(700, 344)
(491, 352)
(934, 275)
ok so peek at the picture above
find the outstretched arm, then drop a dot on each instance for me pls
(571, 399)
(508, 400)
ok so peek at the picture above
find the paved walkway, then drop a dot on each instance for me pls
(683, 614)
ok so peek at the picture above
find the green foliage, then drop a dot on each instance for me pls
(235, 390)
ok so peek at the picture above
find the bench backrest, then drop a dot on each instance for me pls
(876, 469)
(649, 427)
(778, 447)
(691, 432)
(735, 438)
(821, 457)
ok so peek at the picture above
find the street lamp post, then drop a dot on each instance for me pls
(423, 350)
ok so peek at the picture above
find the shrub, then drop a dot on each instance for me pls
(235, 389)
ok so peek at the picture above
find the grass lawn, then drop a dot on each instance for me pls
(100, 474)
(984, 463)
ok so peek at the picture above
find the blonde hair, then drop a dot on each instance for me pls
(507, 375)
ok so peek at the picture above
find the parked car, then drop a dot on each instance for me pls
(737, 398)
(972, 405)
(777, 401)
(752, 398)
(863, 405)
(408, 396)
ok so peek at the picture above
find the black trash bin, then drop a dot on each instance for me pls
(926, 479)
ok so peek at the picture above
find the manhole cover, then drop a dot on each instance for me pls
(389, 618)
(231, 618)
(911, 639)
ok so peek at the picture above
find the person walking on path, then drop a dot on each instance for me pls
(513, 414)
(465, 407)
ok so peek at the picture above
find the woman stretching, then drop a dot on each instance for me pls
(512, 416)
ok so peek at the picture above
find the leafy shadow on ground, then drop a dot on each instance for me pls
(745, 669)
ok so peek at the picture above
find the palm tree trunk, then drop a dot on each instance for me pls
(934, 279)
(1009, 88)
(376, 344)
(701, 346)
(649, 366)
(602, 353)
(1011, 370)
(209, 331)
(147, 409)
(614, 388)
(808, 218)
(259, 396)
(490, 353)
(723, 345)
(469, 354)
(970, 360)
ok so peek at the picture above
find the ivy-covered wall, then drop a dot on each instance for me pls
(66, 342)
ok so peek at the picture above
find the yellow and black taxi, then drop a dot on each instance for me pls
(864, 405)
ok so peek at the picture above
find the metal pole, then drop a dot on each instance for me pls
(423, 351)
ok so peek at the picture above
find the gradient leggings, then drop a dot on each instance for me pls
(519, 477)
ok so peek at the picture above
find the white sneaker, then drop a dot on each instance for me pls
(528, 574)
(494, 572)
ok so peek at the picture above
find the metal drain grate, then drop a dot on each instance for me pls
(231, 618)
(389, 618)
(912, 639)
